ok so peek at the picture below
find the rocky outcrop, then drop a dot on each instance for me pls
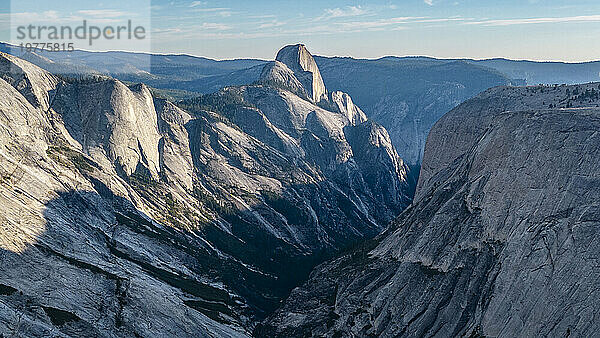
(344, 105)
(277, 74)
(407, 95)
(377, 158)
(124, 215)
(78, 254)
(176, 161)
(114, 124)
(301, 62)
(35, 84)
(501, 239)
(318, 139)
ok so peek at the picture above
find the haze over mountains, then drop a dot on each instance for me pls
(138, 207)
(501, 239)
(407, 95)
(126, 210)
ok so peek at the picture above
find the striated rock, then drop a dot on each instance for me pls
(301, 62)
(35, 84)
(174, 147)
(21, 123)
(345, 106)
(124, 215)
(277, 74)
(114, 124)
(377, 158)
(79, 257)
(501, 239)
(316, 141)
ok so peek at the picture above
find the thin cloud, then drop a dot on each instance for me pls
(220, 11)
(349, 11)
(383, 22)
(103, 13)
(46, 16)
(100, 16)
(265, 16)
(429, 2)
(439, 20)
(166, 31)
(215, 26)
(529, 21)
(54, 17)
(197, 3)
(266, 28)
(216, 9)
(271, 24)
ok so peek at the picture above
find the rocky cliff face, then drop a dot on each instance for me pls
(407, 95)
(79, 255)
(33, 83)
(125, 215)
(278, 74)
(115, 124)
(301, 62)
(501, 239)
(343, 103)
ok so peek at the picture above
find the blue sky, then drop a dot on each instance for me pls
(523, 29)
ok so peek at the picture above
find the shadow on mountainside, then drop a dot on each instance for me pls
(101, 238)
(99, 256)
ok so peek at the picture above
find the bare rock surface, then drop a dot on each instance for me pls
(345, 106)
(125, 215)
(34, 83)
(113, 123)
(407, 95)
(78, 254)
(277, 74)
(501, 239)
(301, 62)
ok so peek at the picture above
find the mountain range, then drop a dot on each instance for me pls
(198, 216)
(501, 239)
(406, 95)
(302, 196)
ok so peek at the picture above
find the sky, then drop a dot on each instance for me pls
(545, 30)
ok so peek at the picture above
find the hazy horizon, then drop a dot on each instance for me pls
(536, 30)
(334, 56)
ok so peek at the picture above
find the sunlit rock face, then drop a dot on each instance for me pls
(125, 215)
(501, 240)
(344, 105)
(301, 62)
(35, 84)
(74, 260)
(25, 93)
(113, 123)
(277, 74)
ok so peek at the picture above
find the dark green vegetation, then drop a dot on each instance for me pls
(221, 102)
(6, 290)
(58, 316)
(70, 158)
(172, 94)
